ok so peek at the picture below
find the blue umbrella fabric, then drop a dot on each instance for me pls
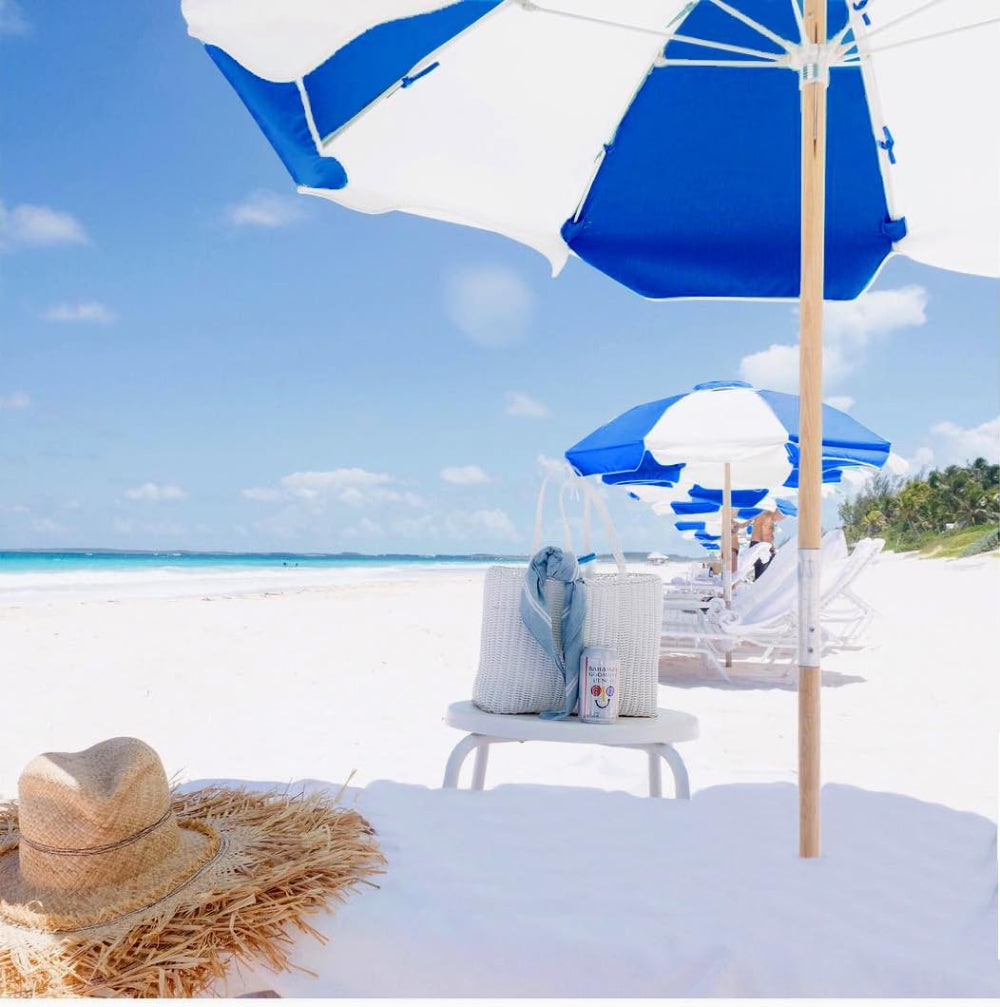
(654, 139)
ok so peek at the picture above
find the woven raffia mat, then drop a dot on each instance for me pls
(281, 859)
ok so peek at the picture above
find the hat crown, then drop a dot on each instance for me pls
(93, 818)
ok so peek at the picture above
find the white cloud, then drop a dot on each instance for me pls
(356, 487)
(155, 492)
(875, 313)
(554, 466)
(464, 475)
(947, 443)
(365, 528)
(46, 526)
(480, 528)
(262, 493)
(414, 527)
(14, 509)
(267, 209)
(842, 402)
(15, 400)
(777, 368)
(12, 19)
(27, 225)
(955, 444)
(491, 305)
(521, 404)
(148, 529)
(849, 328)
(84, 311)
(475, 526)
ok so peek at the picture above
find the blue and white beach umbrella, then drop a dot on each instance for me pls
(687, 438)
(707, 148)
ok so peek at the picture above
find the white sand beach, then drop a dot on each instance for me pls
(319, 682)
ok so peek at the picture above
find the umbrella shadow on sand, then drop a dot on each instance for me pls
(747, 673)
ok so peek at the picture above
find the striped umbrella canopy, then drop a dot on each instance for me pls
(686, 148)
(687, 438)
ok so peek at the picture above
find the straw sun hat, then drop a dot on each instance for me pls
(112, 885)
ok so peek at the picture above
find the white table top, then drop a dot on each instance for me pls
(667, 727)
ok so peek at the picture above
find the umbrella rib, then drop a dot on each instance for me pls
(663, 33)
(888, 24)
(756, 25)
(921, 38)
(741, 64)
(797, 11)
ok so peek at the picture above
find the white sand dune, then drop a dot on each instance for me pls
(317, 682)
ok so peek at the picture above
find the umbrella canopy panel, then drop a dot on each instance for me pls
(607, 130)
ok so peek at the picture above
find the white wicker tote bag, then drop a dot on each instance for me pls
(624, 611)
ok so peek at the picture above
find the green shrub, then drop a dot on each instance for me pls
(990, 541)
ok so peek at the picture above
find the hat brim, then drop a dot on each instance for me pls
(250, 865)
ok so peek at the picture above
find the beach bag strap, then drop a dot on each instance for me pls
(536, 541)
(592, 501)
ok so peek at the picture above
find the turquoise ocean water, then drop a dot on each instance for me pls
(84, 575)
(80, 560)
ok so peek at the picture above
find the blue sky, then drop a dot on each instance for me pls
(192, 356)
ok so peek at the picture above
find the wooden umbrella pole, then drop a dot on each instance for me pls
(813, 90)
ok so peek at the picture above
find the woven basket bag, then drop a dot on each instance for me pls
(624, 612)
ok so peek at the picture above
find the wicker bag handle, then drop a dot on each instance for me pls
(591, 501)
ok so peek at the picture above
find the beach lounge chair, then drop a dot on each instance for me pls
(847, 616)
(765, 613)
(702, 590)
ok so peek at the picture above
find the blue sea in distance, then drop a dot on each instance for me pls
(96, 574)
(106, 560)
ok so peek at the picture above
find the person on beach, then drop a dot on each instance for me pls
(762, 530)
(737, 527)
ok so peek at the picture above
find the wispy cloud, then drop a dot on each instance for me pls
(262, 493)
(842, 402)
(464, 475)
(12, 19)
(849, 328)
(483, 528)
(952, 444)
(85, 311)
(264, 208)
(493, 524)
(355, 487)
(364, 529)
(46, 526)
(491, 305)
(15, 400)
(131, 528)
(522, 404)
(27, 226)
(155, 492)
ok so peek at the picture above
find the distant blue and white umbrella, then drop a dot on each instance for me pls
(722, 445)
(703, 148)
(685, 440)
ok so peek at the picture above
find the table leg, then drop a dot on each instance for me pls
(655, 773)
(458, 757)
(682, 787)
(479, 767)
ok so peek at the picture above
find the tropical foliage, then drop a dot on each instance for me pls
(909, 512)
